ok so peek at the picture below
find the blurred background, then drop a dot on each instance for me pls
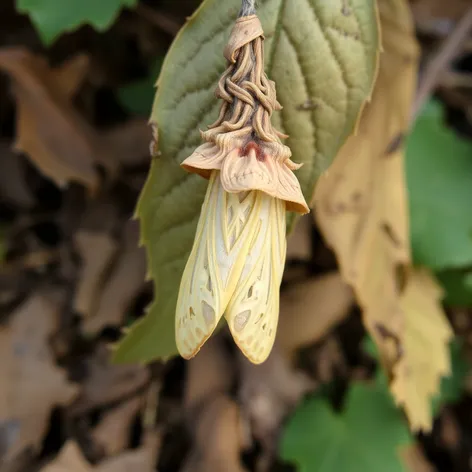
(75, 99)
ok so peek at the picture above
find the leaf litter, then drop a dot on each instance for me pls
(72, 163)
(361, 207)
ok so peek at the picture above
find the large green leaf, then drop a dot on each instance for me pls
(364, 437)
(439, 176)
(53, 17)
(322, 55)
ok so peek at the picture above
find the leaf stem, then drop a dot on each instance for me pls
(248, 8)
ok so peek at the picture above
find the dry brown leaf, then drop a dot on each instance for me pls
(96, 251)
(32, 384)
(129, 142)
(310, 309)
(328, 362)
(13, 186)
(70, 459)
(213, 418)
(49, 129)
(361, 208)
(107, 383)
(209, 373)
(123, 284)
(415, 461)
(219, 438)
(143, 459)
(268, 392)
(112, 433)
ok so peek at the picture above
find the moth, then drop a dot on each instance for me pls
(236, 264)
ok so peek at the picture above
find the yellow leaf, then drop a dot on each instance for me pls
(416, 376)
(361, 208)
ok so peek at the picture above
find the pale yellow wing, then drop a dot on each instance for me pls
(224, 233)
(253, 311)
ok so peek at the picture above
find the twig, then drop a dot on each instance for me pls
(248, 8)
(454, 79)
(449, 50)
(162, 21)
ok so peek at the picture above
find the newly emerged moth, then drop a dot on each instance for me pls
(237, 260)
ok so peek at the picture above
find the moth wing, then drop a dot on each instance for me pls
(253, 311)
(213, 269)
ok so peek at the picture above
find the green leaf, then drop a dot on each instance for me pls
(439, 176)
(364, 437)
(322, 56)
(137, 97)
(54, 17)
(458, 286)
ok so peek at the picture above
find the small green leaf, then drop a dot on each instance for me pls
(365, 437)
(54, 17)
(322, 56)
(137, 97)
(457, 285)
(439, 176)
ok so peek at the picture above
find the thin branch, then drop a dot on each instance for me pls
(449, 50)
(248, 8)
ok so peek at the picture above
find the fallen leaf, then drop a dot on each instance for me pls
(424, 355)
(107, 383)
(113, 432)
(310, 309)
(450, 431)
(96, 251)
(219, 438)
(327, 361)
(70, 459)
(122, 285)
(49, 130)
(208, 374)
(213, 418)
(143, 459)
(32, 384)
(308, 44)
(13, 186)
(268, 392)
(361, 208)
(415, 461)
